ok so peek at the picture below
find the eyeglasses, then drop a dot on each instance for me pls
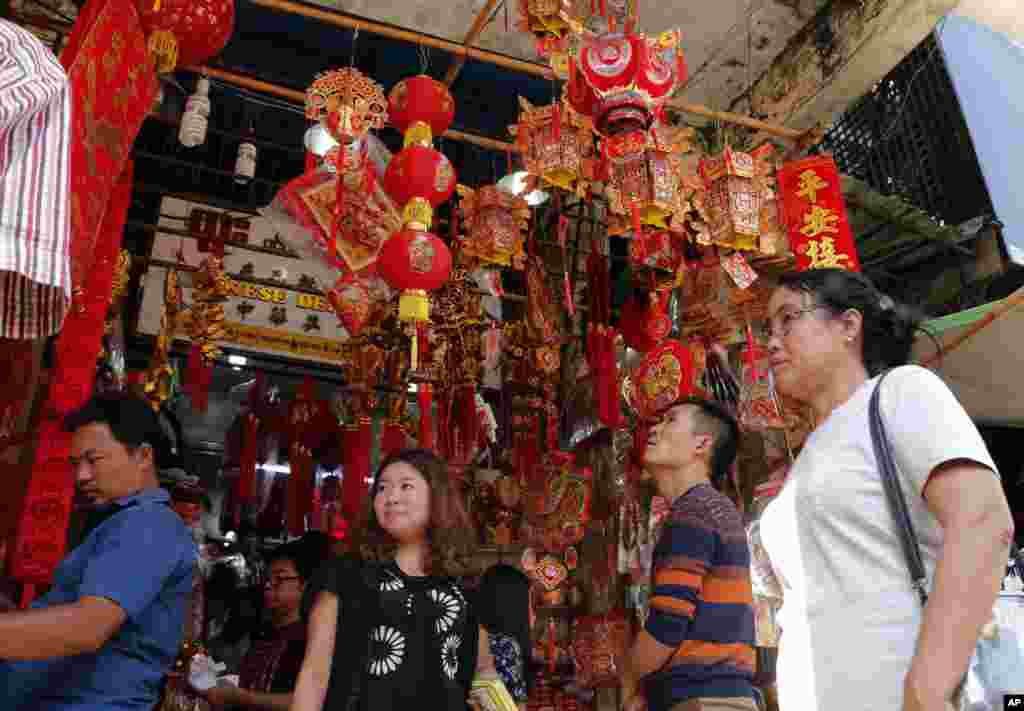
(275, 583)
(781, 324)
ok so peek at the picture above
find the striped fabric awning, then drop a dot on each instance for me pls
(35, 155)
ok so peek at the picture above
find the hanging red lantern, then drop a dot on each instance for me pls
(186, 32)
(419, 179)
(421, 108)
(415, 262)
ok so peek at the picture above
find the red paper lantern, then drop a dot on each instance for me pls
(186, 32)
(421, 108)
(415, 262)
(419, 179)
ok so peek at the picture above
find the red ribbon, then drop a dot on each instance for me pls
(425, 401)
(354, 485)
(392, 439)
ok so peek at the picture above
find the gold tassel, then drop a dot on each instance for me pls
(163, 48)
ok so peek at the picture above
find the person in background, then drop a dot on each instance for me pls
(396, 630)
(108, 630)
(503, 609)
(696, 651)
(232, 615)
(271, 666)
(854, 635)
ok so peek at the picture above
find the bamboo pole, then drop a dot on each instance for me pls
(340, 20)
(474, 31)
(299, 97)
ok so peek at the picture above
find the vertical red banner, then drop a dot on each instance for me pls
(815, 214)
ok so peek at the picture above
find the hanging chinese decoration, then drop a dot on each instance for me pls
(599, 647)
(733, 200)
(363, 365)
(210, 289)
(557, 146)
(644, 178)
(158, 380)
(495, 223)
(558, 511)
(418, 179)
(545, 18)
(621, 80)
(359, 299)
(815, 214)
(602, 341)
(186, 32)
(459, 324)
(347, 105)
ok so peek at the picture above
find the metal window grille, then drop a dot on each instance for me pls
(908, 137)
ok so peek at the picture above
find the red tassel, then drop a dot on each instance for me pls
(604, 8)
(310, 161)
(470, 422)
(393, 438)
(199, 374)
(354, 487)
(508, 160)
(556, 121)
(425, 400)
(636, 220)
(300, 489)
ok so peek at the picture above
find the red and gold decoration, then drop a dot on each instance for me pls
(557, 146)
(211, 287)
(665, 375)
(733, 200)
(558, 512)
(359, 299)
(418, 179)
(599, 646)
(495, 223)
(815, 214)
(622, 79)
(644, 174)
(186, 32)
(349, 209)
(545, 18)
(157, 382)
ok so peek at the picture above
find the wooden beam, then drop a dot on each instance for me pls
(517, 65)
(474, 31)
(298, 97)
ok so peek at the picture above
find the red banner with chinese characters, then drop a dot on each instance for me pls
(815, 215)
(42, 525)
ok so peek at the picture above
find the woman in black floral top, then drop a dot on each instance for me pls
(503, 609)
(394, 629)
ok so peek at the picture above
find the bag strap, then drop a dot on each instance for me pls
(894, 495)
(897, 502)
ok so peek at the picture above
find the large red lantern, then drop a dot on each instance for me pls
(421, 108)
(415, 262)
(624, 78)
(186, 32)
(419, 179)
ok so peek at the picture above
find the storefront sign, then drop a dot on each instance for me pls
(815, 215)
(276, 304)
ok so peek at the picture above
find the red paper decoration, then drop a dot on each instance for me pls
(186, 32)
(665, 375)
(812, 202)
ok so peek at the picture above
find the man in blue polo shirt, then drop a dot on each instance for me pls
(110, 627)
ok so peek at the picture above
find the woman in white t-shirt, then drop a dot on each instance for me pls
(853, 633)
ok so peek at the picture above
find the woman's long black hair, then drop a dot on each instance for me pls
(502, 605)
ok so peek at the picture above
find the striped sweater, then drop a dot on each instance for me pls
(701, 602)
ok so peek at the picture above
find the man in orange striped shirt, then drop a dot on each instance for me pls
(696, 651)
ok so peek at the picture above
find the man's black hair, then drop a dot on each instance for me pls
(131, 420)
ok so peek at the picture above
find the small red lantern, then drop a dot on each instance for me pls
(186, 32)
(415, 262)
(419, 179)
(421, 108)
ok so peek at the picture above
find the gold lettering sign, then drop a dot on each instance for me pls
(312, 302)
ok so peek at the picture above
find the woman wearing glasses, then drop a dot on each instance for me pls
(853, 632)
(271, 666)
